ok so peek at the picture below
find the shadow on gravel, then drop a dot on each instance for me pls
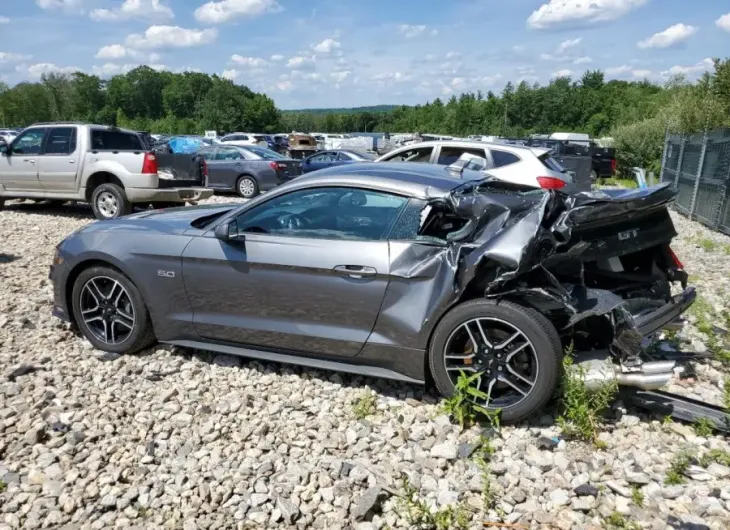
(55, 209)
(7, 258)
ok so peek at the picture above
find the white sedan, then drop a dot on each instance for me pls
(528, 166)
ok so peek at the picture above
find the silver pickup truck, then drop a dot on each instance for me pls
(105, 166)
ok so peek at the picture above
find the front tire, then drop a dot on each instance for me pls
(519, 360)
(247, 187)
(110, 311)
(109, 202)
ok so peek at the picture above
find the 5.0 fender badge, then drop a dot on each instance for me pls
(166, 274)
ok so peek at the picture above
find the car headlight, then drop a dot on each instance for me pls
(57, 258)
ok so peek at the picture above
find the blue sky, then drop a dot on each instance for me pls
(341, 53)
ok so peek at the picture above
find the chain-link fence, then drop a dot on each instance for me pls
(698, 166)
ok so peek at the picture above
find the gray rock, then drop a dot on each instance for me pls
(367, 502)
(586, 490)
(618, 488)
(289, 510)
(637, 478)
(228, 361)
(35, 435)
(75, 437)
(466, 449)
(446, 450)
(257, 499)
(446, 497)
(583, 504)
(672, 492)
(109, 501)
(718, 470)
(559, 497)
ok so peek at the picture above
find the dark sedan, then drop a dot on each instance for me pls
(337, 157)
(403, 271)
(247, 170)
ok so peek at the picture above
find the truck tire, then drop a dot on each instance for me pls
(520, 361)
(108, 201)
(2, 203)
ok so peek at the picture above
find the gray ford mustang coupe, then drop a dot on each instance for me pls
(402, 271)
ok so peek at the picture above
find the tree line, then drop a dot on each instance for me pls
(142, 99)
(635, 113)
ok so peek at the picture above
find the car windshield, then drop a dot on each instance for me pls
(266, 154)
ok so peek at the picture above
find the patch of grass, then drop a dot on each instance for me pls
(583, 408)
(3, 486)
(616, 521)
(705, 316)
(637, 496)
(144, 512)
(623, 183)
(677, 468)
(418, 514)
(704, 427)
(717, 456)
(707, 244)
(667, 420)
(461, 405)
(364, 406)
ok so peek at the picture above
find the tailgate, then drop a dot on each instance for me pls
(180, 170)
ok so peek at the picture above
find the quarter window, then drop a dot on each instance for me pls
(325, 213)
(228, 153)
(115, 140)
(503, 158)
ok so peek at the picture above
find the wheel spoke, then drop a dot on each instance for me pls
(125, 320)
(461, 368)
(503, 345)
(460, 357)
(520, 376)
(484, 336)
(111, 330)
(490, 386)
(95, 292)
(516, 351)
(97, 318)
(505, 380)
(471, 336)
(112, 292)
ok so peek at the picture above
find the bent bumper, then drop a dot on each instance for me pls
(661, 317)
(168, 194)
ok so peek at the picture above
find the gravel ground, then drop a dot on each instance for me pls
(175, 438)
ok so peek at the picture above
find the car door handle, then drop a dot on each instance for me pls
(72, 161)
(356, 271)
(29, 160)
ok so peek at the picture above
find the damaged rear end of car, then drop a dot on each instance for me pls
(598, 266)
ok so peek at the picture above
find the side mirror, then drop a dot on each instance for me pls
(227, 231)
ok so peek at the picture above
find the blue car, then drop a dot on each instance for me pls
(337, 157)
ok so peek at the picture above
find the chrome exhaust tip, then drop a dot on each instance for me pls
(598, 371)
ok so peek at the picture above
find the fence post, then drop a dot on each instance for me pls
(682, 142)
(664, 155)
(700, 166)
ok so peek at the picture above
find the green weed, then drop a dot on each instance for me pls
(418, 514)
(582, 407)
(365, 406)
(616, 521)
(717, 456)
(3, 486)
(704, 427)
(637, 496)
(461, 405)
(677, 468)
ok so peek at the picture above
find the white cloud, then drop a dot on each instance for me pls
(301, 62)
(37, 70)
(112, 69)
(144, 9)
(625, 71)
(284, 86)
(583, 60)
(453, 55)
(4, 20)
(724, 22)
(117, 51)
(225, 10)
(171, 37)
(568, 44)
(326, 46)
(642, 73)
(558, 14)
(671, 36)
(250, 62)
(7, 57)
(276, 58)
(230, 74)
(339, 77)
(63, 5)
(563, 73)
(618, 70)
(705, 65)
(411, 31)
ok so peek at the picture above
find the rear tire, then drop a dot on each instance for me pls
(2, 204)
(247, 187)
(125, 321)
(108, 201)
(543, 344)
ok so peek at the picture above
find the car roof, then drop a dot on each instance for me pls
(412, 179)
(472, 143)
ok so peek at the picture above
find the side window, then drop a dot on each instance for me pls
(115, 140)
(323, 157)
(503, 158)
(227, 153)
(29, 142)
(325, 213)
(344, 157)
(61, 141)
(418, 154)
(449, 154)
(208, 154)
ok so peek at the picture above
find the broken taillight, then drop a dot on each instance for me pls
(550, 183)
(675, 259)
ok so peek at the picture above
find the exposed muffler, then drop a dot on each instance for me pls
(599, 370)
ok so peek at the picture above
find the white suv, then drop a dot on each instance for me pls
(528, 166)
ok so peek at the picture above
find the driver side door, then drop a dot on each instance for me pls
(19, 165)
(313, 289)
